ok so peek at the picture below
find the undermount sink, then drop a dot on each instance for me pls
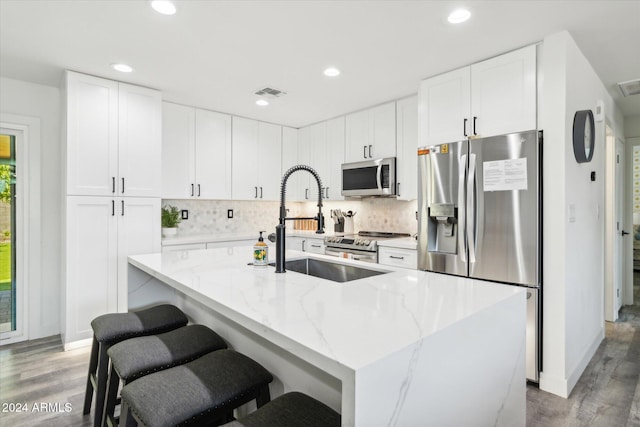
(328, 270)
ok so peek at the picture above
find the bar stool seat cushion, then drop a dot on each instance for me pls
(140, 356)
(292, 409)
(115, 327)
(213, 381)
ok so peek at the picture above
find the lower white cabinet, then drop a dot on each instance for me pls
(100, 233)
(406, 258)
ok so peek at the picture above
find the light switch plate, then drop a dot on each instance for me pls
(229, 213)
(185, 214)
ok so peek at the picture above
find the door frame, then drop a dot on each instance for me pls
(27, 133)
(627, 289)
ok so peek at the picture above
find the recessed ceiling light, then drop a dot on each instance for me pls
(458, 16)
(331, 72)
(262, 102)
(163, 6)
(123, 68)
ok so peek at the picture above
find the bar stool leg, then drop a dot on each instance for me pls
(263, 397)
(101, 384)
(93, 364)
(126, 418)
(113, 381)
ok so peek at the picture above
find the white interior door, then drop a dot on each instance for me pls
(618, 272)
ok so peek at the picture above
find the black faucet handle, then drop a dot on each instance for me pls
(272, 237)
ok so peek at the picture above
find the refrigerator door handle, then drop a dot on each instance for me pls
(379, 176)
(462, 211)
(471, 180)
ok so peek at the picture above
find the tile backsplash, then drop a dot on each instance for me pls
(210, 216)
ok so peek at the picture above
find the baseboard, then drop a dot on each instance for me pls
(78, 344)
(563, 386)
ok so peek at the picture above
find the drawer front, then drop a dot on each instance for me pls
(406, 258)
(314, 245)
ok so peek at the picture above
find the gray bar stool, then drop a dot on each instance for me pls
(202, 392)
(110, 329)
(292, 409)
(137, 357)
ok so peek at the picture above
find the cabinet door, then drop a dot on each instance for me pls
(407, 146)
(213, 155)
(244, 169)
(269, 157)
(382, 139)
(304, 155)
(297, 182)
(92, 135)
(138, 233)
(139, 141)
(91, 263)
(178, 145)
(335, 148)
(318, 158)
(503, 93)
(444, 109)
(295, 243)
(357, 136)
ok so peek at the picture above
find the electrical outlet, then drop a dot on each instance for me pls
(185, 214)
(229, 213)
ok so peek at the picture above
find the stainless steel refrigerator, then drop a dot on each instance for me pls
(480, 217)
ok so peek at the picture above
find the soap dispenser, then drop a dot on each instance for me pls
(260, 252)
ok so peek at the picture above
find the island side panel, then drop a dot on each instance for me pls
(471, 373)
(291, 373)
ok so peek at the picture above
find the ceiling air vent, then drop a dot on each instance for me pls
(632, 87)
(268, 92)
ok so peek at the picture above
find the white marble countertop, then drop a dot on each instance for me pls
(400, 243)
(230, 237)
(340, 325)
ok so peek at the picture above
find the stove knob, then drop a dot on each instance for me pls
(366, 242)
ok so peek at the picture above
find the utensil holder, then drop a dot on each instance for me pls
(338, 228)
(348, 225)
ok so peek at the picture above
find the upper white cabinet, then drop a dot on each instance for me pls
(113, 138)
(196, 153)
(292, 155)
(407, 145)
(492, 97)
(326, 157)
(371, 134)
(256, 154)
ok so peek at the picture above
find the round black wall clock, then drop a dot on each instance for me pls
(583, 136)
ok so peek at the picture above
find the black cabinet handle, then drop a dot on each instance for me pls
(316, 246)
(398, 190)
(474, 125)
(113, 184)
(261, 192)
(192, 190)
(256, 196)
(306, 193)
(198, 190)
(113, 208)
(370, 155)
(327, 193)
(464, 127)
(122, 185)
(122, 201)
(396, 257)
(364, 151)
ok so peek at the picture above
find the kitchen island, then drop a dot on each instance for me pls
(405, 348)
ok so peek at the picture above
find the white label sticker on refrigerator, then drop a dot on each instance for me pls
(505, 175)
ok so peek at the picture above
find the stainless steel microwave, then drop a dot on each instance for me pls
(369, 178)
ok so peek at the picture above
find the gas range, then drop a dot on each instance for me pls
(363, 241)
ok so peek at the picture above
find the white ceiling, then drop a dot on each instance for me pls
(216, 54)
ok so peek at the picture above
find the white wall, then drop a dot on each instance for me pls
(573, 251)
(28, 99)
(632, 126)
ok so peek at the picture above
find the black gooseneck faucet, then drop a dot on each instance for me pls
(280, 228)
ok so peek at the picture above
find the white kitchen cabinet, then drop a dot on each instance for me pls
(406, 258)
(298, 181)
(315, 246)
(196, 153)
(113, 138)
(232, 244)
(256, 154)
(492, 97)
(295, 243)
(371, 134)
(407, 145)
(100, 233)
(326, 150)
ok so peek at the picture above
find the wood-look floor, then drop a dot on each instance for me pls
(608, 393)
